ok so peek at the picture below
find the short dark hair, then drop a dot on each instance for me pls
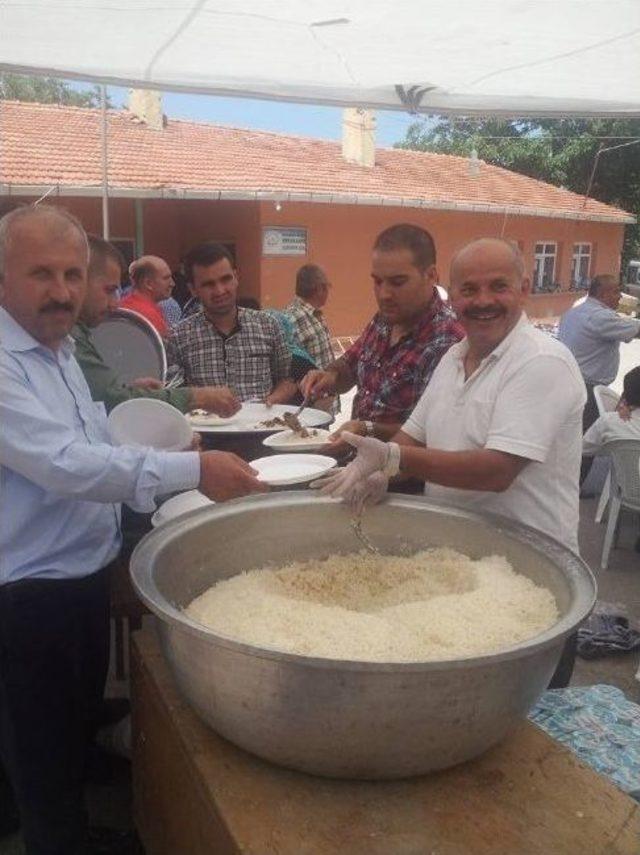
(308, 279)
(205, 254)
(601, 281)
(407, 236)
(631, 387)
(100, 251)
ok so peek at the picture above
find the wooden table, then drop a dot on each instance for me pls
(196, 794)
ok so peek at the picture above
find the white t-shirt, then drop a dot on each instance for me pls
(526, 398)
(609, 427)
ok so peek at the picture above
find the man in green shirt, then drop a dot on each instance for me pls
(106, 266)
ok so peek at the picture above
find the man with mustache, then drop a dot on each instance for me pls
(394, 358)
(62, 482)
(499, 427)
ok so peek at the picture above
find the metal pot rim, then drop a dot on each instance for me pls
(156, 540)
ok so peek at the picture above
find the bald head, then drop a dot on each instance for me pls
(488, 290)
(151, 275)
(494, 247)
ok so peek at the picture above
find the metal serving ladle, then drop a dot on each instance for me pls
(356, 528)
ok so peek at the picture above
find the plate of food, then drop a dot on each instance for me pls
(283, 469)
(203, 418)
(254, 417)
(304, 439)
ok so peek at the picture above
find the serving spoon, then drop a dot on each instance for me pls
(356, 528)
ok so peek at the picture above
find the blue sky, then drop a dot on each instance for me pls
(302, 119)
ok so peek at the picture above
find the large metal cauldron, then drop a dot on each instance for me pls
(340, 718)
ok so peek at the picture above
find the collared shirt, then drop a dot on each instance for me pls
(391, 378)
(59, 474)
(593, 332)
(171, 310)
(251, 360)
(104, 384)
(148, 308)
(609, 427)
(312, 330)
(525, 398)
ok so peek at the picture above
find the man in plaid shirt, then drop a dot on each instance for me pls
(394, 358)
(305, 310)
(240, 351)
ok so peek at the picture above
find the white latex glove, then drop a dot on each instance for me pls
(373, 456)
(371, 491)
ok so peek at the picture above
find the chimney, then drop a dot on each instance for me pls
(146, 105)
(473, 166)
(359, 136)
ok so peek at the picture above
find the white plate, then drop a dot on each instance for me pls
(149, 423)
(287, 440)
(291, 468)
(178, 505)
(210, 420)
(251, 415)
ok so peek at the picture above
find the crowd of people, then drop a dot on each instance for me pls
(463, 398)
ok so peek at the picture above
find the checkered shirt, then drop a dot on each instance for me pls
(251, 360)
(312, 331)
(391, 378)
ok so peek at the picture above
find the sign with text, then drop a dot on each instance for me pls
(284, 241)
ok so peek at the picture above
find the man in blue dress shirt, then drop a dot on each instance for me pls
(593, 332)
(62, 482)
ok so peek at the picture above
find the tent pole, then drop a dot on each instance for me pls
(105, 179)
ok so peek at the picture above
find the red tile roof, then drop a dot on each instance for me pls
(43, 145)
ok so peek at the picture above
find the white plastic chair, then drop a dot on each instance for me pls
(625, 487)
(606, 401)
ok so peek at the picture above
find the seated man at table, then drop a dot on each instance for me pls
(105, 269)
(621, 423)
(394, 358)
(152, 283)
(224, 345)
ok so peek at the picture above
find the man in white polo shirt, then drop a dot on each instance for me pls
(499, 427)
(501, 417)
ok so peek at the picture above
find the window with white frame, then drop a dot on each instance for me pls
(544, 271)
(581, 265)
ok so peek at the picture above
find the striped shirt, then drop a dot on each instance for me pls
(312, 331)
(251, 360)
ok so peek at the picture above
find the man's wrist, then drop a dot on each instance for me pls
(369, 428)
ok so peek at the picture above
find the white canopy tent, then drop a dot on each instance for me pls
(506, 57)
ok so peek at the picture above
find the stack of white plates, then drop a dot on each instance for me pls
(178, 505)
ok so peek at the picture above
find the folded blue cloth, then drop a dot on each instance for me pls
(600, 726)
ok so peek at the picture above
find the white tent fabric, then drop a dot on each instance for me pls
(510, 57)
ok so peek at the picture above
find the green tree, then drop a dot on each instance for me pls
(46, 90)
(560, 151)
